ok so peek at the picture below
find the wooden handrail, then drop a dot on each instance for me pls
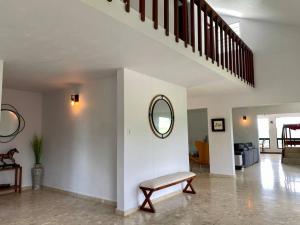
(218, 42)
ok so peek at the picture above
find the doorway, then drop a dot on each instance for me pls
(198, 140)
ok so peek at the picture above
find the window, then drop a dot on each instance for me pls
(286, 120)
(236, 28)
(164, 124)
(264, 143)
(263, 133)
(263, 128)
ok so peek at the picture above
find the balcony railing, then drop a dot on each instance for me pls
(216, 41)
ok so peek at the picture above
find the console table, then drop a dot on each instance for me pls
(17, 187)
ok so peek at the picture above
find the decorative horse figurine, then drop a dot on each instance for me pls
(9, 155)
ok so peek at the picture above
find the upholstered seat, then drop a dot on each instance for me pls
(166, 180)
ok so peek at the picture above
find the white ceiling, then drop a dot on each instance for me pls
(51, 44)
(278, 11)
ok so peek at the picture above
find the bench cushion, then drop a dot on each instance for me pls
(166, 180)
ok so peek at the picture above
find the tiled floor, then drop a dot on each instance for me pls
(267, 193)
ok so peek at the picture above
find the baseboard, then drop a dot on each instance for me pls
(81, 196)
(154, 201)
(11, 191)
(238, 167)
(278, 153)
(127, 212)
(26, 188)
(215, 175)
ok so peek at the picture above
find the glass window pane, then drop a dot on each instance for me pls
(263, 128)
(287, 120)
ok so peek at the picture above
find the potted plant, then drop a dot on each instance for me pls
(37, 170)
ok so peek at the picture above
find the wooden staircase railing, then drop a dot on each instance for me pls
(215, 39)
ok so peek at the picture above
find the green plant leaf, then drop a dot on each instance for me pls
(37, 145)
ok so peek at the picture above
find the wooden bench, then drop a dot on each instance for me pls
(150, 186)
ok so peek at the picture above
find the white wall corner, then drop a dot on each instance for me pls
(120, 140)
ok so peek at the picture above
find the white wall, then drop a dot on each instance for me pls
(80, 141)
(276, 52)
(1, 80)
(247, 131)
(29, 105)
(221, 155)
(143, 155)
(197, 126)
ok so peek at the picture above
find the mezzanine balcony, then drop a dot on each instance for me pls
(192, 28)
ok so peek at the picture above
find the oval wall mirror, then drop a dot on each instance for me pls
(161, 116)
(11, 123)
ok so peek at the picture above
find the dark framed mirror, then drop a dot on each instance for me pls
(161, 116)
(11, 123)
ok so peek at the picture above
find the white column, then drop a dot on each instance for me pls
(140, 154)
(120, 140)
(221, 152)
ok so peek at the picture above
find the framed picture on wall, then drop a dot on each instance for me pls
(218, 125)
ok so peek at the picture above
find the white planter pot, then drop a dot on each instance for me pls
(37, 173)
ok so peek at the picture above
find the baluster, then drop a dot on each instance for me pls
(241, 61)
(185, 22)
(212, 50)
(199, 28)
(222, 40)
(252, 69)
(237, 57)
(192, 4)
(205, 32)
(142, 9)
(176, 20)
(127, 5)
(233, 54)
(226, 48)
(155, 13)
(166, 16)
(246, 62)
(217, 40)
(249, 65)
(230, 52)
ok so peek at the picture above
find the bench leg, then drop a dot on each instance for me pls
(147, 201)
(189, 185)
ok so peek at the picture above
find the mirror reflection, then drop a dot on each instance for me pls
(9, 123)
(162, 116)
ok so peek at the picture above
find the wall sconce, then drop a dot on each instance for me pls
(244, 118)
(74, 99)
